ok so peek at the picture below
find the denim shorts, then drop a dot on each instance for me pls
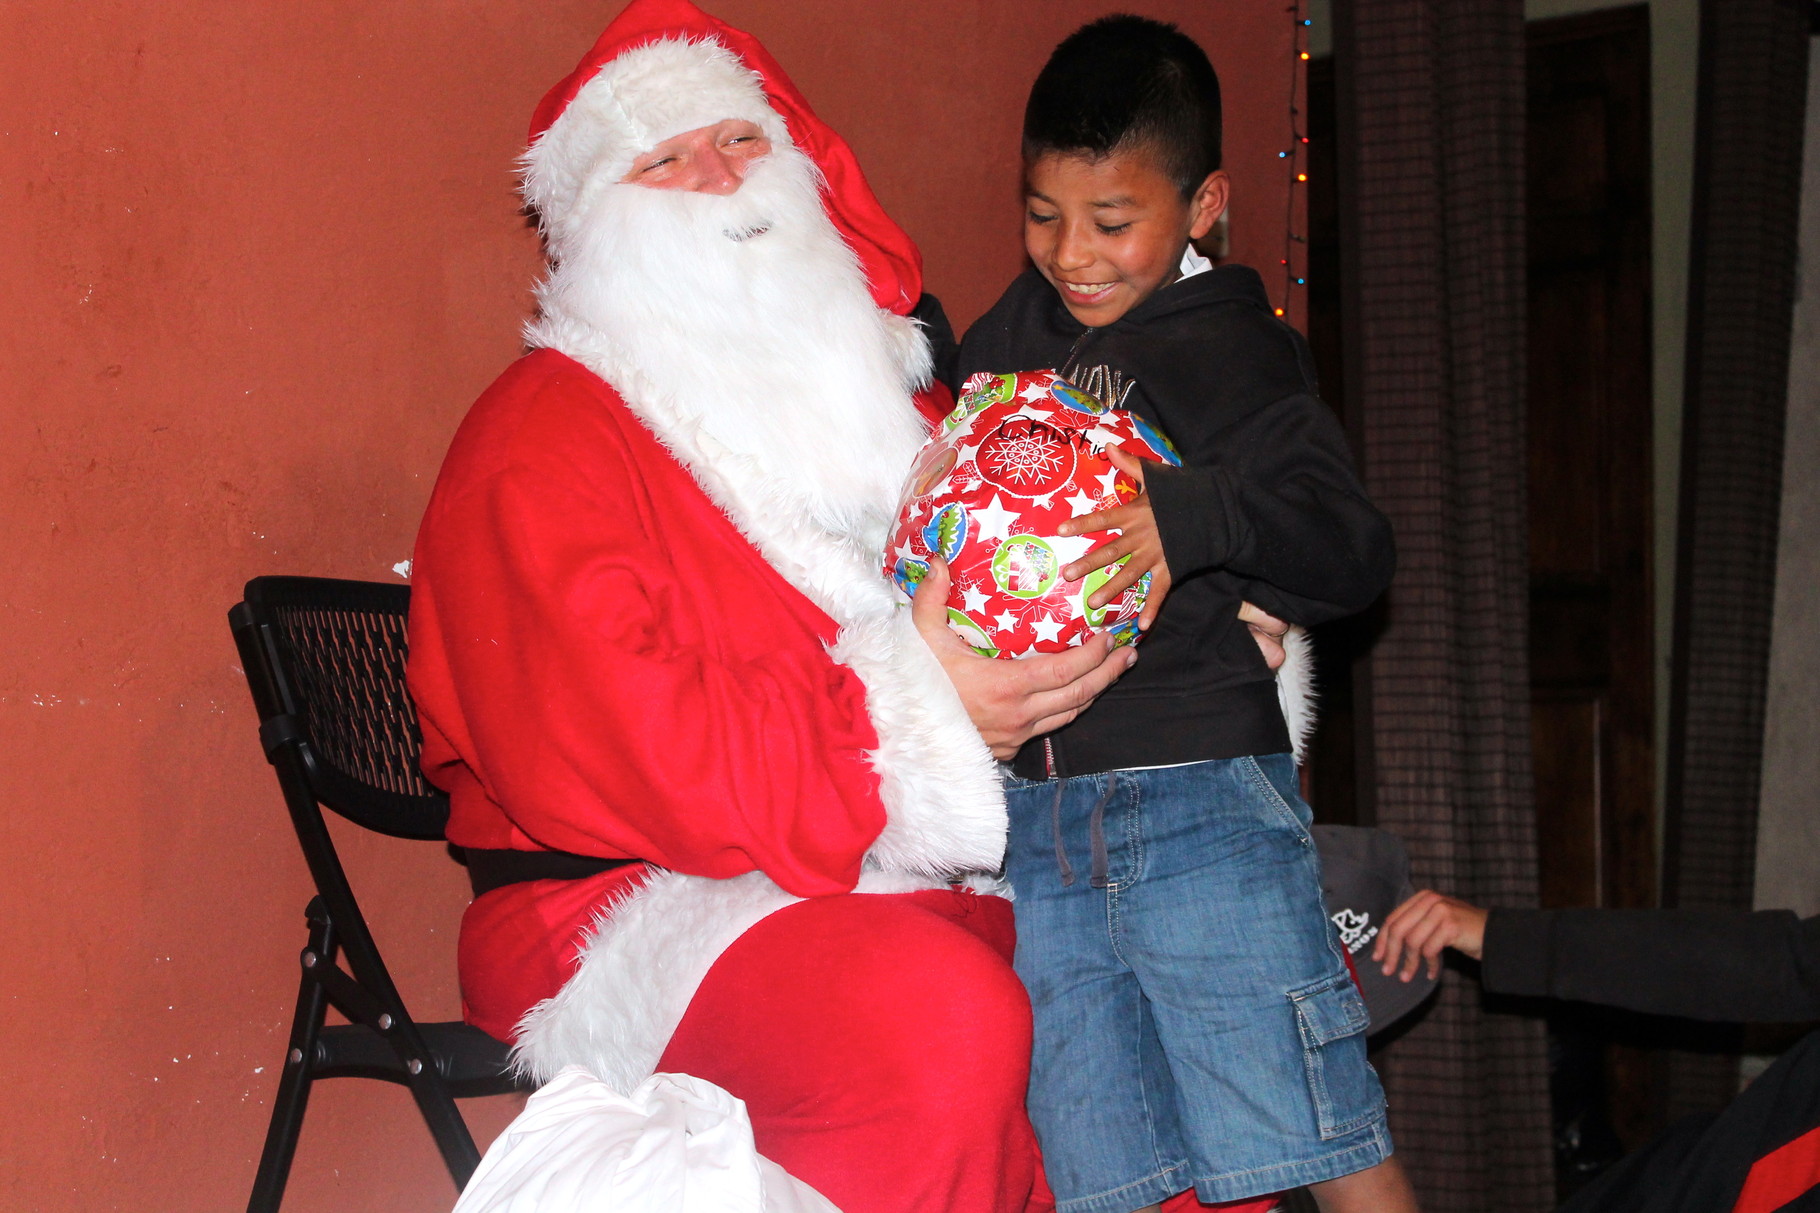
(1195, 1022)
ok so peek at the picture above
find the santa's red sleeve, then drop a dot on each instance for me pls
(603, 665)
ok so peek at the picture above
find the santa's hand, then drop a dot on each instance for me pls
(1268, 631)
(1137, 543)
(1012, 701)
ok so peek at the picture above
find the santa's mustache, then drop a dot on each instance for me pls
(782, 185)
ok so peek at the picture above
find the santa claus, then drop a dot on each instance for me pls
(729, 808)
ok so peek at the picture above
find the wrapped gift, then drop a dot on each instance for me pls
(1020, 455)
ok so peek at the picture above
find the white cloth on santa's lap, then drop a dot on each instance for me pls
(677, 1144)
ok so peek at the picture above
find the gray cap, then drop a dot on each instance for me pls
(1364, 876)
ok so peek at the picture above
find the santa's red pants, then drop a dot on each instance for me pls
(881, 1043)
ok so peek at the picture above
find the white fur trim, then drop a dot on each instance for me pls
(635, 102)
(643, 963)
(1295, 689)
(945, 807)
(910, 350)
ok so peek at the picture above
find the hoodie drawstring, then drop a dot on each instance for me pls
(1096, 829)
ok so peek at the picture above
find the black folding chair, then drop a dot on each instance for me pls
(325, 661)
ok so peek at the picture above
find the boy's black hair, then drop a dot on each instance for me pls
(1123, 82)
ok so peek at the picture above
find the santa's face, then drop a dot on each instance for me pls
(706, 160)
(742, 322)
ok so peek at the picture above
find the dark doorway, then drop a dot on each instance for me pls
(1591, 628)
(1590, 515)
(1592, 650)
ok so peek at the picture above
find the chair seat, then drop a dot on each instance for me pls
(469, 1060)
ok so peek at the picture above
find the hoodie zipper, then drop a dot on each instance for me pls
(1049, 757)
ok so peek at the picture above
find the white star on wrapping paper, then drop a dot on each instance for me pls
(1005, 621)
(1048, 629)
(1082, 503)
(1045, 501)
(904, 551)
(975, 600)
(995, 521)
(1111, 481)
(1033, 391)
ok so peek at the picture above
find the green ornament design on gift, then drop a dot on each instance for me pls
(972, 634)
(947, 531)
(1096, 616)
(909, 574)
(1073, 398)
(1025, 567)
(981, 391)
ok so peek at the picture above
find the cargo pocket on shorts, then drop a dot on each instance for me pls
(1341, 1084)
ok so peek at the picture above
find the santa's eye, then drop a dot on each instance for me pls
(655, 164)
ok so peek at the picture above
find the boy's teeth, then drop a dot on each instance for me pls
(1078, 289)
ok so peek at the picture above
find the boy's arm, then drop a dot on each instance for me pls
(1280, 506)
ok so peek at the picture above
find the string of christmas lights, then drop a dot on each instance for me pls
(1298, 173)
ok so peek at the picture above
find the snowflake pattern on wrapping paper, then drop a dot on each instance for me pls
(1019, 455)
(1027, 457)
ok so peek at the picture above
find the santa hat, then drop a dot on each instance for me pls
(664, 67)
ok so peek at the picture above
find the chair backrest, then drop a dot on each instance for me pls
(326, 660)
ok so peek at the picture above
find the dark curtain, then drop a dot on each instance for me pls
(1747, 201)
(1430, 99)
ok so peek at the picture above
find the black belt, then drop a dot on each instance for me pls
(489, 870)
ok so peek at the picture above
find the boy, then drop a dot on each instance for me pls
(1195, 1021)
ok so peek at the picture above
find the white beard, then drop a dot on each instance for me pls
(741, 330)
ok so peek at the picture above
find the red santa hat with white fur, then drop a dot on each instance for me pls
(664, 67)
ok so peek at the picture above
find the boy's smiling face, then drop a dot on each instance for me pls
(1109, 232)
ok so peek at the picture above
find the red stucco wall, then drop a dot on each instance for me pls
(257, 260)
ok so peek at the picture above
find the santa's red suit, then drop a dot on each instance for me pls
(632, 638)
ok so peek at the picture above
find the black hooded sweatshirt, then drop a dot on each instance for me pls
(1266, 508)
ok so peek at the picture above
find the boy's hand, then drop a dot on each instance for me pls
(1137, 540)
(1268, 631)
(1425, 924)
(1010, 702)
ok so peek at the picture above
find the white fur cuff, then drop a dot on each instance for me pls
(1295, 689)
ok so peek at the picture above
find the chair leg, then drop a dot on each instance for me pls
(294, 1085)
(447, 1126)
